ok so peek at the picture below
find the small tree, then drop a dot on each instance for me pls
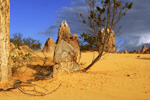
(89, 40)
(32, 43)
(104, 16)
(17, 39)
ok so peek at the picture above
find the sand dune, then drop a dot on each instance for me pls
(114, 77)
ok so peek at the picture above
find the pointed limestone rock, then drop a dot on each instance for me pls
(144, 48)
(63, 32)
(125, 52)
(49, 47)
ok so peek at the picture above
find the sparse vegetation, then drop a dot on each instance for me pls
(115, 77)
(19, 60)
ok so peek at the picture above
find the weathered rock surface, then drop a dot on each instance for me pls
(144, 48)
(13, 49)
(65, 57)
(49, 47)
(147, 51)
(110, 45)
(5, 72)
(65, 34)
(25, 49)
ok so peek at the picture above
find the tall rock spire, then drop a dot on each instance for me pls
(67, 52)
(5, 69)
(65, 34)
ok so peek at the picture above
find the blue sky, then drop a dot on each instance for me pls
(30, 17)
(40, 19)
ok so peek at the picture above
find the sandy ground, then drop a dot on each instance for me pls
(114, 77)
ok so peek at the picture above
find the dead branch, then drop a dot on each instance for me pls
(17, 85)
(41, 75)
(38, 93)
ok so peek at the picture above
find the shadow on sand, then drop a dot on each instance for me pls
(144, 58)
(43, 68)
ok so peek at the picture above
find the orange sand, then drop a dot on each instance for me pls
(114, 77)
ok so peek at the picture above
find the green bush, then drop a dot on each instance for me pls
(17, 40)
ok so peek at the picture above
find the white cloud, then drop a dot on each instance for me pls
(144, 39)
(134, 42)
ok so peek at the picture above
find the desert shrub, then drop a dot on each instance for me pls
(18, 40)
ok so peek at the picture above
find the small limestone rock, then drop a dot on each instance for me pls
(110, 46)
(25, 49)
(125, 52)
(137, 52)
(49, 47)
(13, 49)
(138, 56)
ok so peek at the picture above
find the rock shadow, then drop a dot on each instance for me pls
(44, 70)
(144, 58)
